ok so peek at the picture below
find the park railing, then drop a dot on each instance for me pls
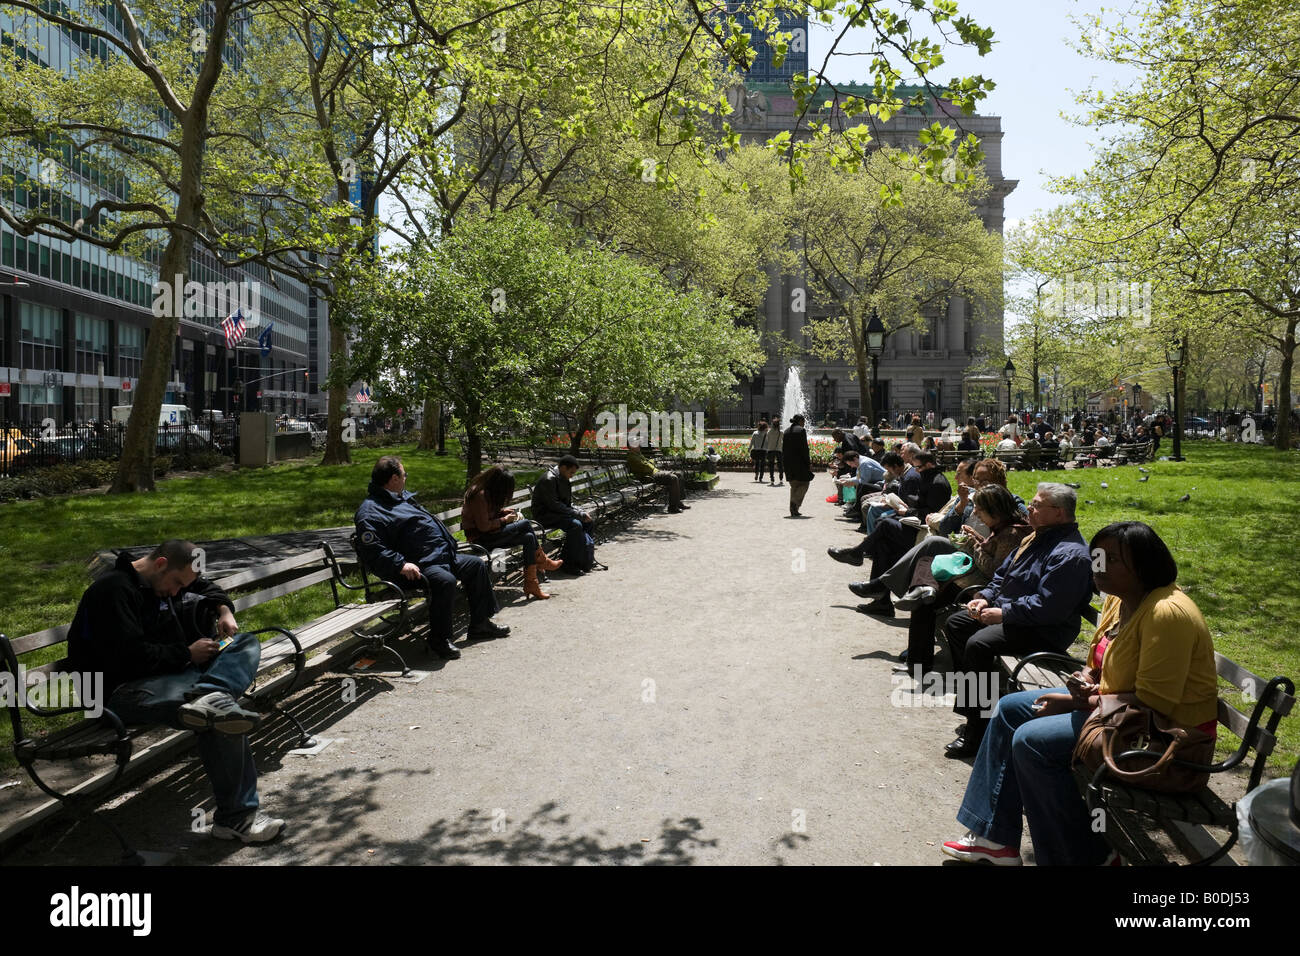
(24, 447)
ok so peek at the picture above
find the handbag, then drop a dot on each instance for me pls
(1122, 723)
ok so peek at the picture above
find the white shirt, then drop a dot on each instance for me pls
(1007, 444)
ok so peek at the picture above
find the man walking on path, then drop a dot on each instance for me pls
(798, 463)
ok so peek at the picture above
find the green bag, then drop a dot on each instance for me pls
(948, 566)
(850, 494)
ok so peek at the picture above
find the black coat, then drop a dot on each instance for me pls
(126, 631)
(798, 463)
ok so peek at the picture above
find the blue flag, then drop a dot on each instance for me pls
(264, 340)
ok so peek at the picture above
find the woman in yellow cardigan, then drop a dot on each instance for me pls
(1151, 641)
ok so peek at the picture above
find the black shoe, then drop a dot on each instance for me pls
(878, 608)
(847, 555)
(794, 513)
(870, 589)
(962, 747)
(686, 506)
(488, 628)
(444, 649)
(674, 511)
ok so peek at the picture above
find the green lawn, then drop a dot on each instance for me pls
(47, 542)
(1235, 542)
(1235, 539)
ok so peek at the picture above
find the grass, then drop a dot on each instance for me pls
(1235, 539)
(1235, 542)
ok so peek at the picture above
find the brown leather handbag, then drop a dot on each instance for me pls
(1122, 723)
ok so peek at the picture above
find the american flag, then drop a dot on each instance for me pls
(234, 327)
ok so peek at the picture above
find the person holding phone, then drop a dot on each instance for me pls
(128, 627)
(1151, 641)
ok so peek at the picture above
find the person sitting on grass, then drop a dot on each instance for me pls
(639, 466)
(128, 628)
(489, 523)
(1152, 643)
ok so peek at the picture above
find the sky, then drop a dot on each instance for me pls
(1037, 76)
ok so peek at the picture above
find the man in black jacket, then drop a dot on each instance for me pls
(129, 627)
(553, 508)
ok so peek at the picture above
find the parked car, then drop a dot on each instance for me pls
(1195, 424)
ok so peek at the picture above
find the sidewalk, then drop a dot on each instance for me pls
(712, 698)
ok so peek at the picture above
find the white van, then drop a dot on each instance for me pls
(167, 415)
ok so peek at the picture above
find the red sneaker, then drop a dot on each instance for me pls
(973, 849)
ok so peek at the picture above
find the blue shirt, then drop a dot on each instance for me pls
(1047, 587)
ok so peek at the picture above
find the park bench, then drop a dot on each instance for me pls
(283, 669)
(1133, 454)
(1130, 813)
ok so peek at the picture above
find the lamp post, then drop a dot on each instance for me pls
(1008, 373)
(875, 348)
(1176, 353)
(825, 387)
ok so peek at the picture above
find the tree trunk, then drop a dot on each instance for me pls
(584, 425)
(429, 427)
(473, 450)
(1282, 434)
(337, 451)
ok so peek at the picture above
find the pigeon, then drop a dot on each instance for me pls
(1185, 498)
(1090, 502)
(1143, 470)
(1144, 478)
(1104, 485)
(1073, 484)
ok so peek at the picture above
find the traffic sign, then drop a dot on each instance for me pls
(126, 385)
(4, 388)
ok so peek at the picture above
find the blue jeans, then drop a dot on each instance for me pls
(509, 535)
(226, 757)
(1023, 764)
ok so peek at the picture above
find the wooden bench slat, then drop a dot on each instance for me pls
(46, 638)
(264, 571)
(246, 601)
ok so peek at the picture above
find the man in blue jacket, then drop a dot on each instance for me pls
(402, 543)
(1033, 603)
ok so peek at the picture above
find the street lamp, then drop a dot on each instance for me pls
(875, 348)
(1176, 353)
(1008, 373)
(825, 384)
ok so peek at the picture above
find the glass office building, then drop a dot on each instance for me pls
(75, 318)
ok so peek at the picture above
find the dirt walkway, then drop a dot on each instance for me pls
(713, 698)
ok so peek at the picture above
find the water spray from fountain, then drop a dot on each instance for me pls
(793, 403)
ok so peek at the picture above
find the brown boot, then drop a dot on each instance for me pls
(545, 563)
(531, 587)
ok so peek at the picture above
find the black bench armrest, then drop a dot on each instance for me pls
(1050, 658)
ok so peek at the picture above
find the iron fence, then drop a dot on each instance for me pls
(25, 446)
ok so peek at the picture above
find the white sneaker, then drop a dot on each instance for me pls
(254, 828)
(218, 711)
(973, 849)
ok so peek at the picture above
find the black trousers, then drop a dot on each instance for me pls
(976, 648)
(472, 572)
(887, 544)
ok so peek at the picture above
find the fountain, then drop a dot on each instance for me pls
(793, 403)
